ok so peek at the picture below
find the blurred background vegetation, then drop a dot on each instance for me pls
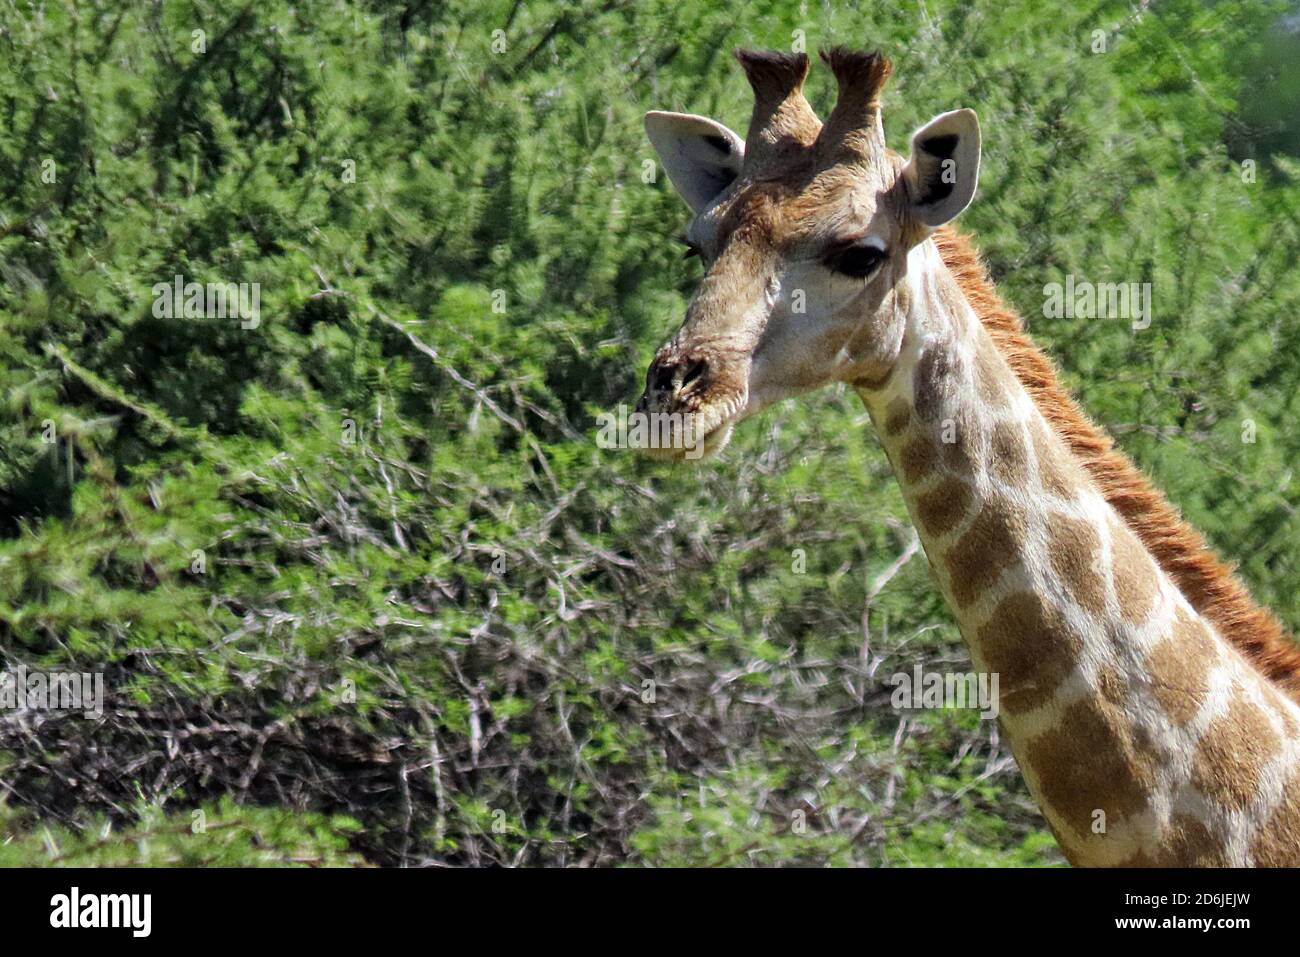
(362, 585)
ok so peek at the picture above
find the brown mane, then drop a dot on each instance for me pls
(1209, 585)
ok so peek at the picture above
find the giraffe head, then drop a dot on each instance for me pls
(805, 232)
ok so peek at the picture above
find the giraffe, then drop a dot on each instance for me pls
(1150, 704)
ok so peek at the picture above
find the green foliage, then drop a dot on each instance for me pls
(215, 836)
(365, 560)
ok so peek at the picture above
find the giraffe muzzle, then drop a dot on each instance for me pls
(688, 406)
(670, 383)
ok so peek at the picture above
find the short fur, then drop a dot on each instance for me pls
(860, 76)
(1208, 584)
(782, 123)
(773, 75)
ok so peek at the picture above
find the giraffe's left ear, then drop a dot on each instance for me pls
(700, 155)
(941, 173)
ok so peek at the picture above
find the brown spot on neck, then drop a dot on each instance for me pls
(940, 510)
(934, 379)
(1277, 843)
(1178, 667)
(963, 444)
(1230, 760)
(1184, 842)
(919, 457)
(991, 545)
(1074, 550)
(1057, 473)
(1136, 580)
(1008, 455)
(897, 417)
(1032, 647)
(1091, 761)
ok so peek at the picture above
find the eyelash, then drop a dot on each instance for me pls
(691, 249)
(858, 260)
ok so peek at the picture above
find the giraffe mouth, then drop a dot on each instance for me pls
(690, 429)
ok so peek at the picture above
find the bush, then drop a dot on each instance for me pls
(363, 561)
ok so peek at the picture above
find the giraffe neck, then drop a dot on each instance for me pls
(1144, 735)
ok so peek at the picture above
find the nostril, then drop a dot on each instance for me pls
(674, 378)
(694, 372)
(661, 376)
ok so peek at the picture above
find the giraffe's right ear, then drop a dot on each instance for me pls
(701, 156)
(944, 168)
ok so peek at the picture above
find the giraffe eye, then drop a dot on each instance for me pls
(691, 249)
(859, 259)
